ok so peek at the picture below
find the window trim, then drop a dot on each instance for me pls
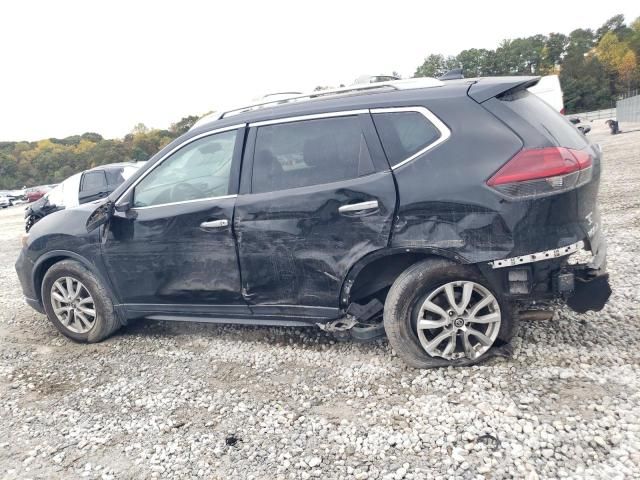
(316, 116)
(167, 155)
(445, 133)
(220, 197)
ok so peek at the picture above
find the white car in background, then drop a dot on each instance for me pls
(80, 188)
(549, 90)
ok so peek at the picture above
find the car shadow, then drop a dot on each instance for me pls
(185, 332)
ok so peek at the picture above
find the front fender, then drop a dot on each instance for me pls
(44, 262)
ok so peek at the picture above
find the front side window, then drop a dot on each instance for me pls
(197, 171)
(404, 134)
(93, 181)
(309, 152)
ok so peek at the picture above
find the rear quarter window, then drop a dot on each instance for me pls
(404, 134)
(545, 119)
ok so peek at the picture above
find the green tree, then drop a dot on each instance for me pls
(477, 62)
(585, 85)
(140, 128)
(634, 37)
(581, 42)
(616, 25)
(183, 125)
(436, 65)
(554, 51)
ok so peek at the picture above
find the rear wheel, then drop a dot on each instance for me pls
(439, 313)
(77, 304)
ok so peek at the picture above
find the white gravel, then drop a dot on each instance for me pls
(163, 400)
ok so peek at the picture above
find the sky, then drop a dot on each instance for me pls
(69, 67)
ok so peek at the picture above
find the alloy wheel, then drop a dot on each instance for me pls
(457, 320)
(73, 305)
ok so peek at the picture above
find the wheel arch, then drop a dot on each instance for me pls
(378, 270)
(49, 259)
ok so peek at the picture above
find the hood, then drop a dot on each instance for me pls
(70, 221)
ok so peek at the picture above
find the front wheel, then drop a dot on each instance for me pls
(439, 313)
(77, 304)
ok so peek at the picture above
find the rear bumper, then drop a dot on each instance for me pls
(549, 275)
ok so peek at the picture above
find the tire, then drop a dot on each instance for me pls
(405, 301)
(31, 221)
(104, 321)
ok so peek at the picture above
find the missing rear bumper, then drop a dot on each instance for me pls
(591, 290)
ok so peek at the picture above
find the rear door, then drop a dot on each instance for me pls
(316, 195)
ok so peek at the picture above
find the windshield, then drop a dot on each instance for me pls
(66, 193)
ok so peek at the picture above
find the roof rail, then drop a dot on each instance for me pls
(410, 83)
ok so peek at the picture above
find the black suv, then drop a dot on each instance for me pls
(434, 209)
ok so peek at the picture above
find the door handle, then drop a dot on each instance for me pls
(215, 224)
(359, 207)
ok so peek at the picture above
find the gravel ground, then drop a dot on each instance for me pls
(190, 400)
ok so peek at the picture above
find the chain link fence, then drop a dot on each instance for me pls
(606, 114)
(628, 110)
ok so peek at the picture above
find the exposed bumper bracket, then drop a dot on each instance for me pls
(538, 256)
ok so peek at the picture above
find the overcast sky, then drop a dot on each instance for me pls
(103, 66)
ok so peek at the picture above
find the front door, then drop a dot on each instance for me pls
(174, 250)
(320, 197)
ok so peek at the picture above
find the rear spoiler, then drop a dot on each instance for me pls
(485, 88)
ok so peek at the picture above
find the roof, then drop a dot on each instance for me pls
(116, 165)
(357, 96)
(384, 94)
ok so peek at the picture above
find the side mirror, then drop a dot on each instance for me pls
(100, 216)
(123, 207)
(125, 203)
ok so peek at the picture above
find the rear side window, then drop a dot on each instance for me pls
(545, 119)
(404, 134)
(309, 152)
(93, 181)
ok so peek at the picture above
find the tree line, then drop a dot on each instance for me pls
(595, 67)
(52, 160)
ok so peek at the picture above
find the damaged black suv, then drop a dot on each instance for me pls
(429, 210)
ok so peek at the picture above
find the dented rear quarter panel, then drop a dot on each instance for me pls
(445, 204)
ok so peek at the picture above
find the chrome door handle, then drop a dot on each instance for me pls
(215, 224)
(358, 207)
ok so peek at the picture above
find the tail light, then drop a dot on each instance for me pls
(542, 171)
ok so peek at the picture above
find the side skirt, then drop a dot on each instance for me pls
(271, 322)
(267, 315)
